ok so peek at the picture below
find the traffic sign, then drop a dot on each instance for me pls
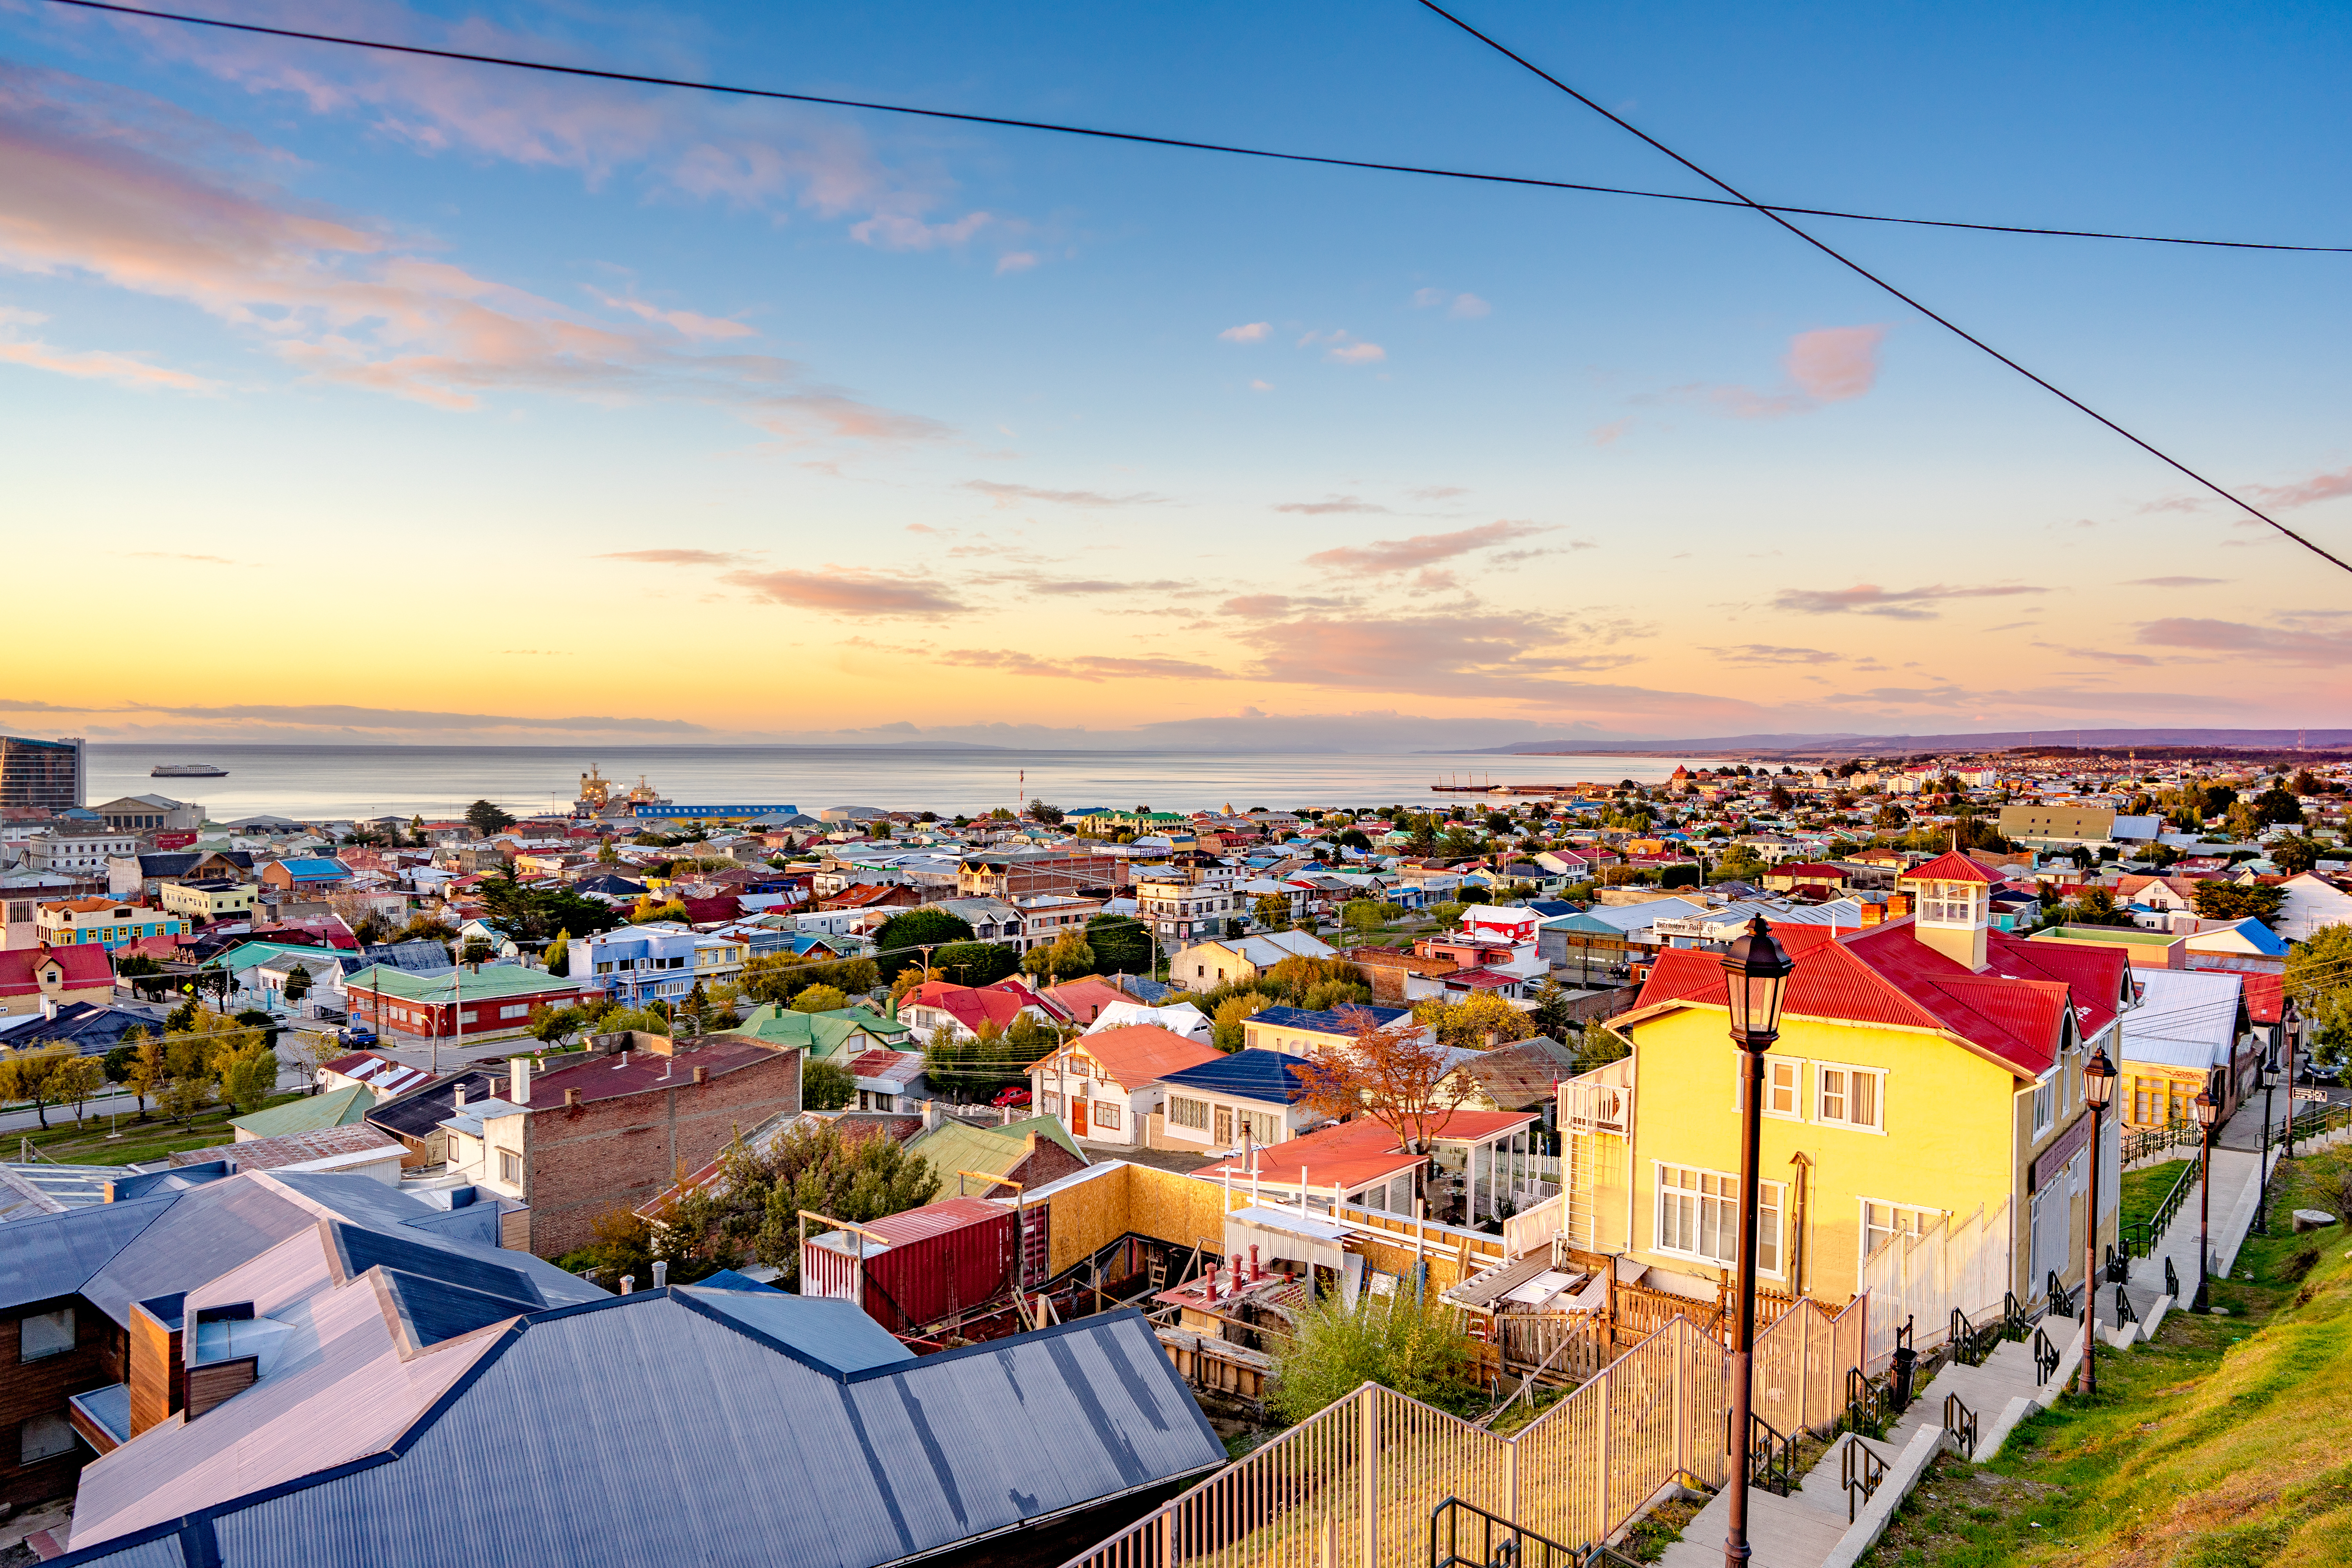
(2306, 1093)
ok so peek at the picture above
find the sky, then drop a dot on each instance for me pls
(356, 396)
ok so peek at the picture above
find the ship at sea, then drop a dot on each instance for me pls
(186, 771)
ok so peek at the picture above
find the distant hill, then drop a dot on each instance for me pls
(1842, 744)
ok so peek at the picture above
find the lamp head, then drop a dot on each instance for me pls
(2099, 1079)
(2207, 1107)
(1756, 972)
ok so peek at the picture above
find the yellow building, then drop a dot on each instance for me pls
(1925, 1090)
(210, 900)
(66, 922)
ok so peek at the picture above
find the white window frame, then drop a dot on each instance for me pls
(1795, 1067)
(1719, 1188)
(2045, 1103)
(1919, 1217)
(1182, 1117)
(1110, 1113)
(1822, 1071)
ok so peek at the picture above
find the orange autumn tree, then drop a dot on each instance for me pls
(1398, 1076)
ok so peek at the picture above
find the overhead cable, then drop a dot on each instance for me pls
(1182, 143)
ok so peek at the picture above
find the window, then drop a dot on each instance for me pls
(1051, 1104)
(1851, 1096)
(44, 1437)
(1105, 1113)
(522, 1012)
(2045, 1105)
(1882, 1222)
(1784, 1084)
(1698, 1216)
(1193, 1113)
(509, 1167)
(45, 1334)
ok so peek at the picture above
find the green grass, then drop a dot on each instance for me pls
(2145, 1188)
(87, 1143)
(2217, 1444)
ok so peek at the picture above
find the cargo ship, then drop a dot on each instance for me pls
(187, 770)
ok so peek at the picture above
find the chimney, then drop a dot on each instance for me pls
(661, 1274)
(1239, 1277)
(48, 1005)
(1873, 914)
(931, 1114)
(1897, 905)
(571, 1100)
(1256, 1273)
(518, 1075)
(460, 1103)
(701, 1075)
(628, 1283)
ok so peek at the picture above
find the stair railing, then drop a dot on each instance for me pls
(2012, 1316)
(2045, 1358)
(1462, 1535)
(1771, 1457)
(2118, 1266)
(1861, 1469)
(2171, 1281)
(2123, 1313)
(1961, 1423)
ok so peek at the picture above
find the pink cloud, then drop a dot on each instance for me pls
(1832, 364)
(1252, 332)
(685, 323)
(849, 591)
(1358, 353)
(1088, 667)
(2318, 488)
(99, 364)
(1421, 550)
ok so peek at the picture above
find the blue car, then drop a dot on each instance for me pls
(356, 1035)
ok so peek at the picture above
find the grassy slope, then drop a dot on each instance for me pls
(2224, 1443)
(2145, 1188)
(87, 1143)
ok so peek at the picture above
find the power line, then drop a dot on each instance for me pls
(1175, 142)
(1863, 272)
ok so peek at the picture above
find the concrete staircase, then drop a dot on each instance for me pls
(1810, 1528)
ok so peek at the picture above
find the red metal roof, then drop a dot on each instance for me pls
(1356, 1153)
(2264, 993)
(80, 964)
(1134, 1055)
(934, 1219)
(1950, 866)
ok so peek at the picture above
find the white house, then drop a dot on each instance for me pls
(1249, 1096)
(1106, 1087)
(2310, 904)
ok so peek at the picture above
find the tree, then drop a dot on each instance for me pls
(251, 1077)
(2097, 907)
(486, 819)
(2277, 806)
(819, 999)
(901, 934)
(1397, 1074)
(37, 1075)
(1737, 864)
(553, 1025)
(1416, 1347)
(536, 914)
(145, 1074)
(976, 963)
(1066, 957)
(1121, 943)
(476, 952)
(78, 1080)
(1600, 1046)
(2319, 979)
(2219, 901)
(1554, 1016)
(1469, 1021)
(1041, 812)
(750, 1212)
(826, 1085)
(1353, 838)
(298, 984)
(2297, 855)
(1231, 1014)
(1273, 910)
(558, 954)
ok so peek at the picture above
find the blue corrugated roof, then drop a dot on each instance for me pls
(728, 1280)
(1336, 1021)
(1247, 1075)
(837, 1335)
(435, 1310)
(645, 1419)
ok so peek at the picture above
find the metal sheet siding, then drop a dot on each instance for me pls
(938, 1275)
(645, 1429)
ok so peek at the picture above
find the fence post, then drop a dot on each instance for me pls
(1603, 1517)
(1805, 1366)
(1168, 1538)
(1511, 1481)
(1682, 1401)
(1368, 1456)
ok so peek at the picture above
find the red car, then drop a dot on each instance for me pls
(1009, 1097)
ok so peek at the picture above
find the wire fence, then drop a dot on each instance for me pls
(1355, 1485)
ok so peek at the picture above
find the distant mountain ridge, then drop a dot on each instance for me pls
(1840, 743)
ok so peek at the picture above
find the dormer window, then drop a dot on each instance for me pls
(1949, 903)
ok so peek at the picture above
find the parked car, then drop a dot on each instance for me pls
(1011, 1097)
(357, 1036)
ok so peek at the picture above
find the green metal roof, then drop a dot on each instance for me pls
(312, 1113)
(954, 1145)
(823, 1035)
(2130, 934)
(488, 984)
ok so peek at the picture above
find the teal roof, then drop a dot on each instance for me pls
(830, 1034)
(340, 1107)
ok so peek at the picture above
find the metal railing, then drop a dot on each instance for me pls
(2171, 1281)
(1771, 1457)
(2119, 1269)
(2141, 1236)
(1869, 1402)
(1961, 1423)
(2141, 1143)
(1351, 1485)
(2045, 1357)
(2123, 1313)
(1861, 1469)
(1463, 1535)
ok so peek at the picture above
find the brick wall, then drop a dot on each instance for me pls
(1047, 1162)
(584, 1161)
(40, 1387)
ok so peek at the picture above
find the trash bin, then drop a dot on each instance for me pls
(1905, 1358)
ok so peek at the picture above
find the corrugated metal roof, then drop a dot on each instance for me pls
(436, 1310)
(49, 1256)
(334, 1109)
(838, 1334)
(645, 1421)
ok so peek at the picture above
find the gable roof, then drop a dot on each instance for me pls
(80, 964)
(336, 1108)
(1138, 1053)
(1260, 1075)
(1337, 1022)
(1356, 1153)
(1950, 866)
(972, 1006)
(958, 1145)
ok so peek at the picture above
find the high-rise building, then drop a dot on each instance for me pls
(49, 774)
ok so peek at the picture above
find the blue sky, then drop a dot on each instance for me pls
(494, 403)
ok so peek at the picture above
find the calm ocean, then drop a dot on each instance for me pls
(437, 781)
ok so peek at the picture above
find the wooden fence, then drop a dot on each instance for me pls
(1353, 1486)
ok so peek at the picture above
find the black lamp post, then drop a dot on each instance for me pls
(1755, 976)
(2208, 1107)
(2098, 1091)
(2270, 1071)
(2288, 1021)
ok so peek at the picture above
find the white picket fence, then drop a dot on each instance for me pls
(1920, 1278)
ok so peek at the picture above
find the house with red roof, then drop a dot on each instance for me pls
(33, 977)
(1105, 1086)
(1926, 1089)
(966, 1009)
(1482, 1158)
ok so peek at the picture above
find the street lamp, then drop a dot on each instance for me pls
(2270, 1071)
(2098, 1091)
(2208, 1107)
(2287, 1022)
(1755, 976)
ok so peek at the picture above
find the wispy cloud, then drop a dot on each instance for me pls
(101, 364)
(849, 591)
(2100, 655)
(1273, 607)
(1088, 667)
(1468, 651)
(685, 323)
(1330, 507)
(1249, 333)
(1015, 261)
(1828, 364)
(1357, 353)
(2175, 581)
(673, 557)
(1422, 550)
(1768, 653)
(180, 555)
(2306, 493)
(1006, 495)
(1462, 307)
(1083, 587)
(2270, 644)
(1896, 604)
(344, 717)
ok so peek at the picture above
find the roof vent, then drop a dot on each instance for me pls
(461, 1098)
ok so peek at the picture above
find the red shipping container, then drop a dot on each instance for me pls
(920, 1267)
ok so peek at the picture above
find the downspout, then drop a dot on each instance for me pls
(1799, 1245)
